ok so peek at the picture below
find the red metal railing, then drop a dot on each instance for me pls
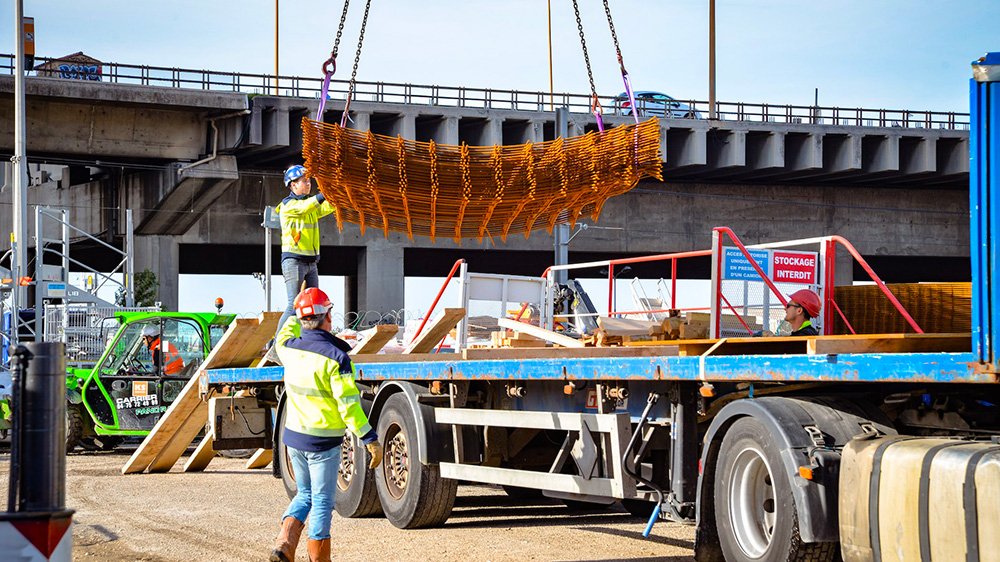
(444, 286)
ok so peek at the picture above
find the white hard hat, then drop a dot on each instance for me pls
(149, 331)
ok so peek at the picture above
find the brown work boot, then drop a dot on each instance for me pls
(319, 551)
(288, 539)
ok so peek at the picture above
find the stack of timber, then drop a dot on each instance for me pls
(937, 308)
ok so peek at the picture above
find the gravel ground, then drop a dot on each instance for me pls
(230, 513)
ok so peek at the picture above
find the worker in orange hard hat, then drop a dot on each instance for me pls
(802, 306)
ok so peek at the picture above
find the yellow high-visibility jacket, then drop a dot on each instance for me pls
(321, 399)
(299, 216)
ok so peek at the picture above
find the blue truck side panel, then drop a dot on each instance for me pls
(984, 182)
(861, 367)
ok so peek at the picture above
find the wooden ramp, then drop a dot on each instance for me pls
(240, 346)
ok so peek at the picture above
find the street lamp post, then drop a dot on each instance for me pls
(711, 59)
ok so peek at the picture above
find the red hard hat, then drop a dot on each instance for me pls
(808, 300)
(312, 302)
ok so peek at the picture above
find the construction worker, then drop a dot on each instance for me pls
(321, 403)
(168, 359)
(803, 305)
(299, 214)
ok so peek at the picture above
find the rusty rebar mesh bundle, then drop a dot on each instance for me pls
(428, 189)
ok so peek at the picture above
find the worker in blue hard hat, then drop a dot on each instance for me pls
(299, 214)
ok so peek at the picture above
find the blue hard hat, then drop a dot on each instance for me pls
(294, 173)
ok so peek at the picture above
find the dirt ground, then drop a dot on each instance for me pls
(230, 513)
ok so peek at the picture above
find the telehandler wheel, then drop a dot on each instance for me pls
(357, 495)
(754, 509)
(413, 495)
(74, 427)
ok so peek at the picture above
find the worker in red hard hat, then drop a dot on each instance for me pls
(322, 404)
(802, 306)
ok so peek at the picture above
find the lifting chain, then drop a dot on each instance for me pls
(361, 40)
(614, 36)
(586, 56)
(336, 42)
(354, 71)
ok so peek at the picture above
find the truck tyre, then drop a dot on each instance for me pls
(283, 460)
(755, 511)
(74, 427)
(413, 494)
(357, 495)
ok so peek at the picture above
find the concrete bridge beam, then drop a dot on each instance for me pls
(185, 194)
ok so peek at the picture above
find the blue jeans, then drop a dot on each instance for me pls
(294, 272)
(316, 486)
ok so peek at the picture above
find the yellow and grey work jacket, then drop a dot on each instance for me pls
(321, 399)
(299, 215)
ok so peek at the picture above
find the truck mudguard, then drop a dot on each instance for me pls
(837, 420)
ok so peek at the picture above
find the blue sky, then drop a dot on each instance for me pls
(894, 54)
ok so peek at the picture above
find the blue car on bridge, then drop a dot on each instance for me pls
(655, 104)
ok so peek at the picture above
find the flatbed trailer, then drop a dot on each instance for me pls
(743, 437)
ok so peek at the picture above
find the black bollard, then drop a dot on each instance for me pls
(42, 439)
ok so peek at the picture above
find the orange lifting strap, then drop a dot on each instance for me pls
(429, 189)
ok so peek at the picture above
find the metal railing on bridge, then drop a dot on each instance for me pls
(491, 98)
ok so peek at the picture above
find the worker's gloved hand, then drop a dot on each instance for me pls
(375, 450)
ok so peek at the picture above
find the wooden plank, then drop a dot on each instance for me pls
(175, 416)
(628, 326)
(232, 347)
(541, 333)
(438, 329)
(203, 454)
(375, 339)
(260, 459)
(404, 358)
(178, 443)
(890, 343)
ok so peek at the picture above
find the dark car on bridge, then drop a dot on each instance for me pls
(655, 104)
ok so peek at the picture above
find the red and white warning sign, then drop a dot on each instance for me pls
(794, 267)
(42, 539)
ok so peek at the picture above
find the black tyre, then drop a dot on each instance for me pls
(413, 495)
(283, 460)
(74, 427)
(754, 509)
(357, 495)
(640, 508)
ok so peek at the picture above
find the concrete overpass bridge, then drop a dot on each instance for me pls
(196, 155)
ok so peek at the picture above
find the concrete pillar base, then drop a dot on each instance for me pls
(159, 254)
(379, 279)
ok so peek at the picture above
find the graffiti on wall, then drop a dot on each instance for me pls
(77, 71)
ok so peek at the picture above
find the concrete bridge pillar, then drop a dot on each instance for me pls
(380, 278)
(159, 254)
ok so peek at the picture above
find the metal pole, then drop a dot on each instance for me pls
(129, 260)
(711, 60)
(267, 268)
(276, 47)
(551, 81)
(560, 233)
(19, 237)
(39, 261)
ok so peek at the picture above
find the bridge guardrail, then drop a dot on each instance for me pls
(490, 98)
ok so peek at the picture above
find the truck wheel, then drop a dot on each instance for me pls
(74, 427)
(755, 511)
(284, 461)
(357, 495)
(413, 495)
